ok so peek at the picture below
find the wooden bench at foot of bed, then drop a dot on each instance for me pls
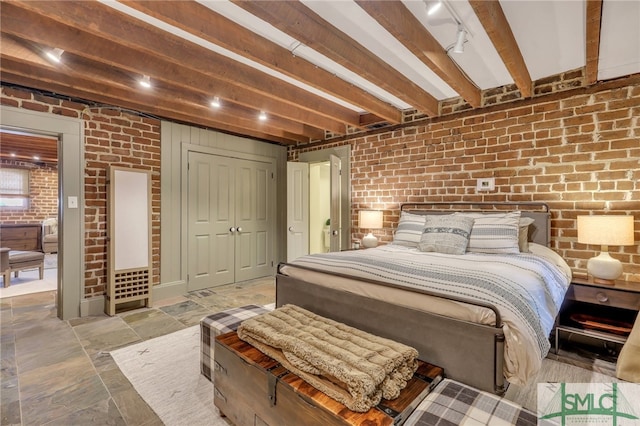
(251, 388)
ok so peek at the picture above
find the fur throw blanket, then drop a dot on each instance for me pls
(349, 365)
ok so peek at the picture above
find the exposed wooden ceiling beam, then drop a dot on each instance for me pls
(594, 18)
(205, 23)
(401, 23)
(65, 81)
(300, 22)
(495, 23)
(142, 49)
(37, 84)
(76, 69)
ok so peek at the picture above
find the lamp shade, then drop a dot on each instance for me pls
(606, 230)
(370, 219)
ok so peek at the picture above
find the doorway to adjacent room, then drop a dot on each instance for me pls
(29, 191)
(319, 202)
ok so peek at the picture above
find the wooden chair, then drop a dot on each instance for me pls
(15, 261)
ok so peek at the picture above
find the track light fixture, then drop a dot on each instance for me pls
(55, 55)
(432, 7)
(462, 35)
(216, 102)
(460, 40)
(145, 81)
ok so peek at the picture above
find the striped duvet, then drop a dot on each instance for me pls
(526, 288)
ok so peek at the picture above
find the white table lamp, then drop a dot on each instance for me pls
(612, 230)
(370, 219)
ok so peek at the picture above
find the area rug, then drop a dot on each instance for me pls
(28, 282)
(165, 371)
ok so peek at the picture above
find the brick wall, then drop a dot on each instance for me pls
(112, 137)
(578, 151)
(43, 188)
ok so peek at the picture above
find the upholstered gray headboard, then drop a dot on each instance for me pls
(539, 231)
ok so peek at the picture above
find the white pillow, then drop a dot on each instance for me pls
(446, 234)
(409, 230)
(494, 232)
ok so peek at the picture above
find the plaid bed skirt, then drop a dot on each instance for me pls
(453, 403)
(219, 323)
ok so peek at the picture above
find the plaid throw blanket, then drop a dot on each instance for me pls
(219, 323)
(453, 403)
(351, 366)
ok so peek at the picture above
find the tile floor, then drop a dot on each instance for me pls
(57, 372)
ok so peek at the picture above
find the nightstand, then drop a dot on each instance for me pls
(600, 311)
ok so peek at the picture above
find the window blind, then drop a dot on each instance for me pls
(14, 182)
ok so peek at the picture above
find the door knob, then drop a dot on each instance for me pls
(334, 232)
(291, 229)
(232, 229)
(239, 229)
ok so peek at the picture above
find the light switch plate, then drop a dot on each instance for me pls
(72, 203)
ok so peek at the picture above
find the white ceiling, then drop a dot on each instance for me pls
(620, 39)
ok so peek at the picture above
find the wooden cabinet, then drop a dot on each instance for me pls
(600, 311)
(25, 237)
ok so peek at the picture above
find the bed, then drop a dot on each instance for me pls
(483, 314)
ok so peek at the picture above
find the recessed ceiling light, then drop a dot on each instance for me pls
(36, 157)
(262, 116)
(13, 154)
(145, 81)
(216, 102)
(55, 55)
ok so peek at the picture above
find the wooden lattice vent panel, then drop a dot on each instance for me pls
(129, 238)
(132, 284)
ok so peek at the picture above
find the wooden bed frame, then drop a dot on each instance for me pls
(470, 353)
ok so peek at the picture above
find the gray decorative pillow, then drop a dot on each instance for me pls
(409, 229)
(446, 234)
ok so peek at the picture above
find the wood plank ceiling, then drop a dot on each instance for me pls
(236, 51)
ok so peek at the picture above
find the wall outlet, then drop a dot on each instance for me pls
(486, 184)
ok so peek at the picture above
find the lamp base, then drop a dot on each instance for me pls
(604, 267)
(603, 281)
(369, 241)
